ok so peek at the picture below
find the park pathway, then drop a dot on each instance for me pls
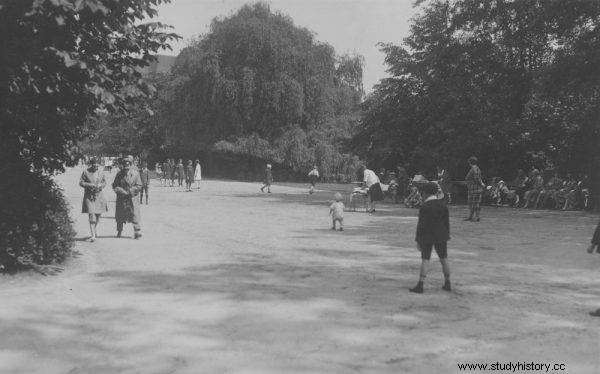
(229, 280)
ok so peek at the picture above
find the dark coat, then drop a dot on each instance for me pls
(127, 185)
(189, 173)
(268, 176)
(145, 177)
(434, 223)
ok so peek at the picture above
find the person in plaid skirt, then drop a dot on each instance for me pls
(475, 187)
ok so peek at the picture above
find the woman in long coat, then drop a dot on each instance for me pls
(475, 188)
(94, 204)
(127, 186)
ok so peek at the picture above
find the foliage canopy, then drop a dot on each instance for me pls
(514, 82)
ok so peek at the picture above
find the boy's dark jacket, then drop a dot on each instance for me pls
(434, 223)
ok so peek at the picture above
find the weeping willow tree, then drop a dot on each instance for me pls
(257, 79)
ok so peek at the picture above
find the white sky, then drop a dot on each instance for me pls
(348, 25)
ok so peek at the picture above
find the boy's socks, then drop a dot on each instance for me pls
(446, 286)
(418, 288)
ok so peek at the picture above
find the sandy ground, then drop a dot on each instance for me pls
(229, 280)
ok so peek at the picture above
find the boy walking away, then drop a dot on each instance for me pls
(313, 176)
(433, 231)
(189, 176)
(336, 211)
(268, 179)
(145, 177)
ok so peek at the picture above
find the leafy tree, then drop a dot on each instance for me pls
(64, 59)
(257, 75)
(61, 61)
(509, 81)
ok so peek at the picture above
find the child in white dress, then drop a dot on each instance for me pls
(197, 174)
(336, 211)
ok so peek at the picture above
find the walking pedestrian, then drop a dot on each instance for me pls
(127, 185)
(197, 174)
(189, 176)
(180, 170)
(166, 172)
(145, 178)
(173, 172)
(595, 245)
(433, 232)
(475, 187)
(268, 179)
(94, 204)
(313, 176)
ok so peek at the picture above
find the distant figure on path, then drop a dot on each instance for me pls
(94, 204)
(475, 187)
(145, 178)
(189, 176)
(173, 172)
(595, 241)
(433, 231)
(375, 193)
(180, 170)
(336, 211)
(402, 178)
(166, 172)
(127, 185)
(313, 176)
(595, 244)
(197, 174)
(443, 179)
(268, 179)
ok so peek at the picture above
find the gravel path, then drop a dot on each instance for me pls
(229, 280)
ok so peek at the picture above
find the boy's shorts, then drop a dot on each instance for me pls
(440, 248)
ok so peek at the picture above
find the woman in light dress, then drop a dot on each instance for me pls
(197, 174)
(94, 204)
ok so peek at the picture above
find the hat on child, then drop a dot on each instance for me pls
(268, 166)
(337, 196)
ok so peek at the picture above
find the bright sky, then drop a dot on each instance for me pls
(348, 25)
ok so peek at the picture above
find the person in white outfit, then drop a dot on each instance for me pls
(371, 181)
(313, 175)
(197, 174)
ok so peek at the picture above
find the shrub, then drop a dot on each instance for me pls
(35, 228)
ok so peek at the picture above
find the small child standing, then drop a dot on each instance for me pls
(336, 211)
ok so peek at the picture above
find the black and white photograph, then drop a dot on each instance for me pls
(299, 186)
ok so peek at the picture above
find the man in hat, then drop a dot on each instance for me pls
(433, 231)
(127, 186)
(268, 179)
